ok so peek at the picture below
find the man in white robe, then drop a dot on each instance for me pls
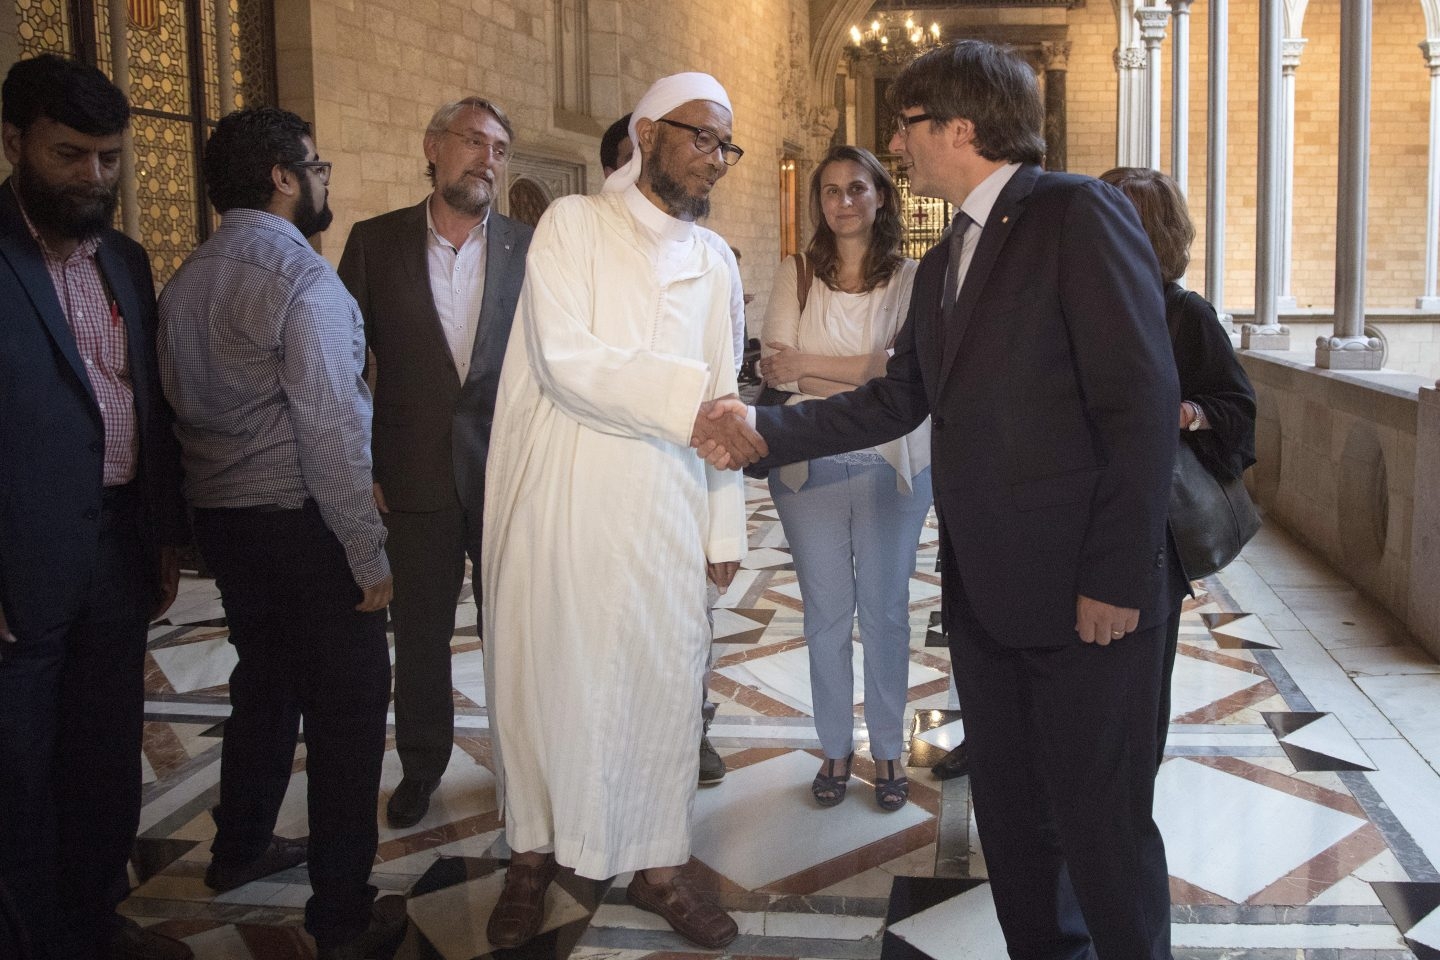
(602, 525)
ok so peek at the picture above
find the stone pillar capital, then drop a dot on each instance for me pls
(1055, 54)
(1153, 21)
(1430, 50)
(1130, 58)
(1181, 8)
(1349, 353)
(1290, 50)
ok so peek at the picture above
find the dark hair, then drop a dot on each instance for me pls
(617, 134)
(1163, 215)
(77, 95)
(989, 85)
(242, 150)
(882, 256)
(446, 113)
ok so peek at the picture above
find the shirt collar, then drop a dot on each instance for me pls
(476, 232)
(263, 220)
(982, 199)
(654, 219)
(86, 247)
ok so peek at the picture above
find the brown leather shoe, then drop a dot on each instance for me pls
(688, 913)
(521, 907)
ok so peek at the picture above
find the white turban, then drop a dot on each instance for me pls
(664, 95)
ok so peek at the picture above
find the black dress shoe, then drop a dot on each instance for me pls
(134, 942)
(954, 764)
(282, 854)
(410, 802)
(387, 927)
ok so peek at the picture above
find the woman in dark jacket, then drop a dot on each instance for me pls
(1217, 406)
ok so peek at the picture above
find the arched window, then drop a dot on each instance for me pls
(183, 64)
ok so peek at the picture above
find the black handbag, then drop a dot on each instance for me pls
(1211, 519)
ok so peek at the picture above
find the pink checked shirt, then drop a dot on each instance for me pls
(99, 330)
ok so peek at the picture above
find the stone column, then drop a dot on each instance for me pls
(1055, 54)
(1424, 612)
(120, 76)
(1152, 22)
(1217, 117)
(1266, 333)
(1349, 348)
(1429, 300)
(1290, 51)
(225, 56)
(1130, 130)
(1180, 95)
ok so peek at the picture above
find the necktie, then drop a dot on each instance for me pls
(958, 226)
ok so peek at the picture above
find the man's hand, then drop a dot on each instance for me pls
(722, 574)
(1099, 622)
(377, 597)
(379, 496)
(722, 438)
(785, 365)
(6, 637)
(169, 575)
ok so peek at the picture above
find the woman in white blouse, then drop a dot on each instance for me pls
(853, 520)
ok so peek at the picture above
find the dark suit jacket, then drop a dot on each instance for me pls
(1053, 411)
(51, 434)
(431, 433)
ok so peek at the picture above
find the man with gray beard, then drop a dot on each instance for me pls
(437, 284)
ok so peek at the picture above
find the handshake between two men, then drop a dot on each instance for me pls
(722, 437)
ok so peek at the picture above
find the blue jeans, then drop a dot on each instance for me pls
(853, 536)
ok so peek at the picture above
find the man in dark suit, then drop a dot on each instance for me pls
(437, 284)
(91, 517)
(1037, 344)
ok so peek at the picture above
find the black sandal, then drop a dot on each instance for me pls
(828, 789)
(891, 792)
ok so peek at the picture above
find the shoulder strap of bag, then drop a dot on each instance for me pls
(803, 278)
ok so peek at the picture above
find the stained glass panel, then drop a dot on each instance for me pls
(44, 27)
(166, 191)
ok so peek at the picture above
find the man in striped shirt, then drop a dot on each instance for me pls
(261, 353)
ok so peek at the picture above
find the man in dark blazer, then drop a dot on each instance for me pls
(90, 519)
(437, 284)
(1037, 344)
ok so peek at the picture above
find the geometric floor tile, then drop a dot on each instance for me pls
(738, 625)
(934, 635)
(1199, 683)
(935, 918)
(768, 558)
(196, 666)
(933, 734)
(785, 676)
(453, 918)
(1244, 631)
(1415, 908)
(1317, 741)
(1233, 836)
(733, 837)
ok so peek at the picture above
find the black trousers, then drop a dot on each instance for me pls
(71, 722)
(1062, 744)
(427, 556)
(304, 652)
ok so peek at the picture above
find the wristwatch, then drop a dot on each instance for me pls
(1199, 419)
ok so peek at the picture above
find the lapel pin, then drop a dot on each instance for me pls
(1005, 219)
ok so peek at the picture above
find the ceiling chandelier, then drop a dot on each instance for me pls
(888, 41)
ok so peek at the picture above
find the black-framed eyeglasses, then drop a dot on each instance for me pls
(904, 123)
(707, 142)
(321, 167)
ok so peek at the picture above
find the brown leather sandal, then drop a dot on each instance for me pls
(828, 788)
(521, 908)
(891, 792)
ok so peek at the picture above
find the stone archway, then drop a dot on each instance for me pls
(528, 200)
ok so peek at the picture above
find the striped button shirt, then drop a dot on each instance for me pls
(261, 352)
(99, 331)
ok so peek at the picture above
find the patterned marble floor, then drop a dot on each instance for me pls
(1299, 800)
